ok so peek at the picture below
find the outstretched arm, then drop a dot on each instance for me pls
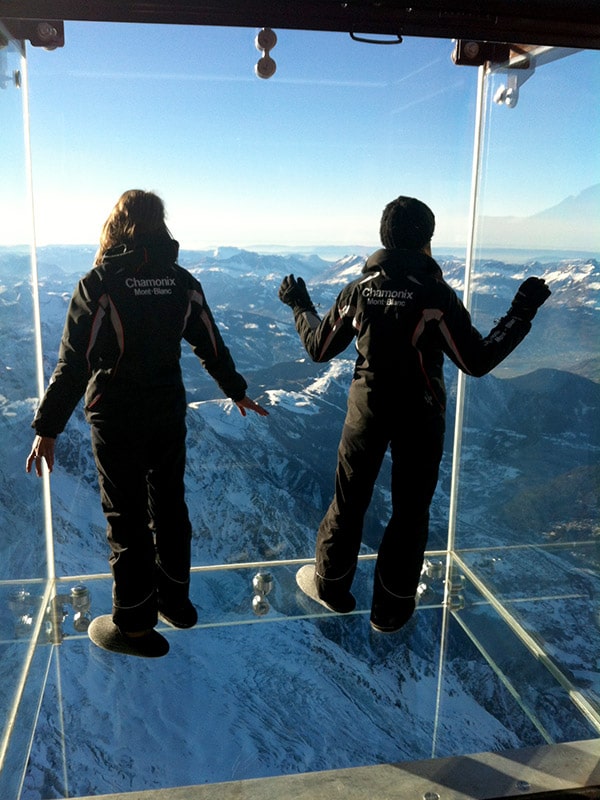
(477, 355)
(323, 339)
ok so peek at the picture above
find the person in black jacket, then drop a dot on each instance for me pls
(121, 347)
(403, 317)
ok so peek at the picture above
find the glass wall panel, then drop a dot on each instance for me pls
(261, 178)
(23, 558)
(21, 522)
(528, 490)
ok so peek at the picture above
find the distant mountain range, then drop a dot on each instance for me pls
(572, 223)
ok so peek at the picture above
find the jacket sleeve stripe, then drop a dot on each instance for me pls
(96, 323)
(428, 314)
(436, 314)
(117, 327)
(451, 344)
(346, 311)
(197, 297)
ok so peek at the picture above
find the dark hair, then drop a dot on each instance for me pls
(137, 214)
(406, 223)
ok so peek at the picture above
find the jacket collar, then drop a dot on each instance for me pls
(161, 250)
(395, 263)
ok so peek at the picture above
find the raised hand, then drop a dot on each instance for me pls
(294, 293)
(531, 295)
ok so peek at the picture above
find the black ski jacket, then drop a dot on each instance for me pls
(404, 317)
(121, 344)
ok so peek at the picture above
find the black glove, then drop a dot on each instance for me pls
(532, 293)
(294, 293)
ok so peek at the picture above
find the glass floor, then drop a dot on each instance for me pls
(270, 684)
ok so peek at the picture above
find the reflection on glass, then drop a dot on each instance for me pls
(21, 522)
(542, 699)
(23, 565)
(527, 522)
(556, 605)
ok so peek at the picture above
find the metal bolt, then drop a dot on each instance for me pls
(262, 582)
(260, 605)
(46, 31)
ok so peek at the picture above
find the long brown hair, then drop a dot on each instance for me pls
(136, 214)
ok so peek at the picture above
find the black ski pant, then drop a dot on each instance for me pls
(416, 448)
(141, 475)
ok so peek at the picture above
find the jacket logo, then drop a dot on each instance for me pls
(386, 297)
(142, 286)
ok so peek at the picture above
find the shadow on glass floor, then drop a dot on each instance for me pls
(279, 686)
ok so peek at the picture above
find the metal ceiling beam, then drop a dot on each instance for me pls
(564, 23)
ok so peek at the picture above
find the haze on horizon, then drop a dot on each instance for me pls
(309, 157)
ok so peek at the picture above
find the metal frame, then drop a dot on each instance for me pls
(563, 23)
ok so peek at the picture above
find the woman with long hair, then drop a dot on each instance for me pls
(121, 349)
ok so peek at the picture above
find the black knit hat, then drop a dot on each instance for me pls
(406, 223)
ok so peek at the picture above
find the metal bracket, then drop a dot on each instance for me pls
(24, 606)
(46, 33)
(520, 66)
(80, 599)
(520, 70)
(262, 583)
(430, 586)
(471, 53)
(455, 597)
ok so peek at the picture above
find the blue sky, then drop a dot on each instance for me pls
(309, 156)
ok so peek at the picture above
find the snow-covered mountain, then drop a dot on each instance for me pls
(257, 489)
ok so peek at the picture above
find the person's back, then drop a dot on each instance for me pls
(404, 317)
(143, 299)
(121, 346)
(390, 297)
